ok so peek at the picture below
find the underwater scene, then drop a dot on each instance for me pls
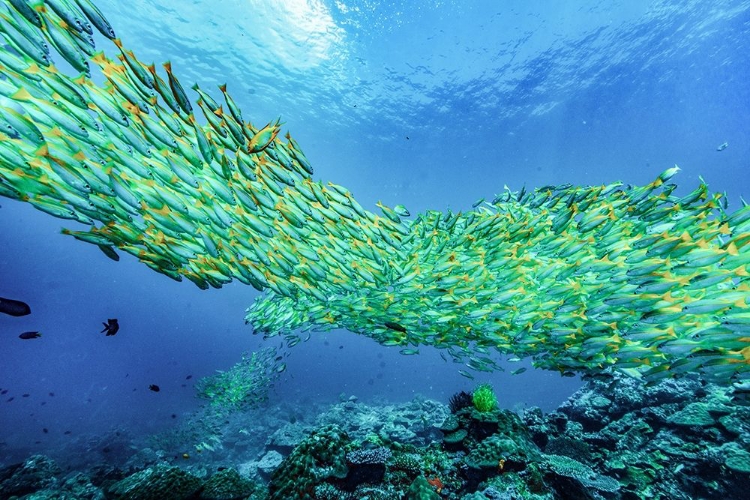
(314, 249)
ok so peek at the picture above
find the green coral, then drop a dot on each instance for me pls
(420, 489)
(484, 398)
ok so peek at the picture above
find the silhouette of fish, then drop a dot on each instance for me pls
(154, 387)
(29, 335)
(111, 327)
(14, 307)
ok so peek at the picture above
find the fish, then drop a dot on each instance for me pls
(14, 307)
(395, 326)
(722, 146)
(30, 335)
(580, 279)
(154, 388)
(111, 327)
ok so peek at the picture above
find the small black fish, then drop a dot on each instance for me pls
(154, 387)
(111, 327)
(29, 335)
(4, 391)
(174, 415)
(188, 377)
(52, 394)
(66, 432)
(45, 430)
(395, 326)
(25, 395)
(109, 252)
(14, 307)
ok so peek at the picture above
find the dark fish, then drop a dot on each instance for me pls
(29, 335)
(66, 432)
(154, 387)
(174, 415)
(109, 252)
(188, 377)
(52, 394)
(14, 307)
(395, 326)
(45, 430)
(111, 327)
(25, 395)
(4, 391)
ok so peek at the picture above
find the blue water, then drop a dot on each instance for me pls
(429, 104)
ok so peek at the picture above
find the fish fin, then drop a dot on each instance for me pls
(21, 95)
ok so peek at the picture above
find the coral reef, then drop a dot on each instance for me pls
(616, 438)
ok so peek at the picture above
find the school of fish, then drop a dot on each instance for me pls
(581, 279)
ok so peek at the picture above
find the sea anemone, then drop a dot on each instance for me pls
(484, 398)
(459, 401)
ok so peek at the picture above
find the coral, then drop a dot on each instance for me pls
(156, 483)
(693, 414)
(459, 401)
(319, 457)
(659, 440)
(366, 466)
(450, 424)
(36, 473)
(378, 455)
(406, 462)
(568, 467)
(454, 440)
(484, 398)
(269, 462)
(489, 453)
(420, 489)
(227, 484)
(737, 459)
(414, 423)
